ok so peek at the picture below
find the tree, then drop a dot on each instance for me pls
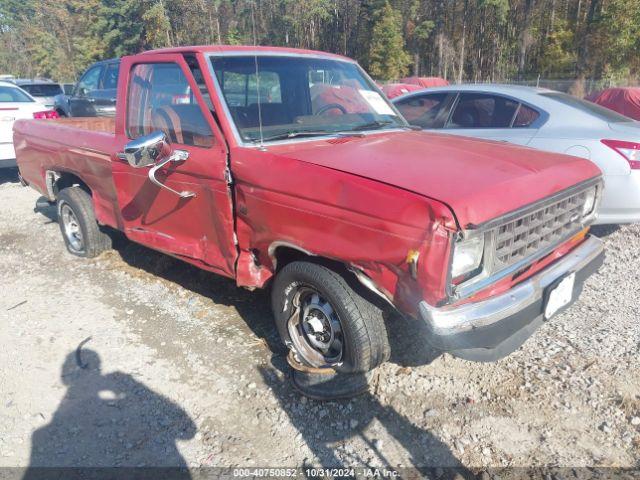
(157, 32)
(476, 40)
(558, 57)
(388, 58)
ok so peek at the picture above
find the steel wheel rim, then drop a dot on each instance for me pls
(71, 226)
(315, 329)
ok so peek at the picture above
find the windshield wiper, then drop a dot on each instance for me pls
(372, 125)
(383, 123)
(352, 132)
(301, 133)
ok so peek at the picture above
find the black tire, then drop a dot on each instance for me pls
(365, 344)
(92, 240)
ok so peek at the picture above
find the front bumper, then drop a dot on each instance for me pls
(621, 199)
(490, 329)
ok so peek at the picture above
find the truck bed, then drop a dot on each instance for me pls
(84, 147)
(96, 124)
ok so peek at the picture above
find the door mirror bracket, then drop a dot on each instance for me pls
(154, 150)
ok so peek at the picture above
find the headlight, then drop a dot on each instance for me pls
(589, 202)
(467, 255)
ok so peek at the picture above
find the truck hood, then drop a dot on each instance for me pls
(478, 179)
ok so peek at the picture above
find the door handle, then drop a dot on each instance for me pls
(176, 156)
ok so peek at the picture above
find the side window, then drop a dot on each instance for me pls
(241, 90)
(525, 117)
(89, 81)
(160, 98)
(480, 110)
(269, 88)
(110, 80)
(424, 110)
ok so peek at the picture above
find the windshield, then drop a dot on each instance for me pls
(12, 94)
(43, 89)
(588, 107)
(300, 96)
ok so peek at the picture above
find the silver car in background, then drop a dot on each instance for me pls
(543, 119)
(44, 91)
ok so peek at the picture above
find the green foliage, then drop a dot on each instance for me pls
(499, 8)
(618, 38)
(387, 56)
(559, 57)
(477, 39)
(120, 27)
(423, 30)
(157, 26)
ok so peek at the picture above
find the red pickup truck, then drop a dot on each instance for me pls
(288, 169)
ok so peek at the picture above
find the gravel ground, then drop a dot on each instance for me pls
(181, 367)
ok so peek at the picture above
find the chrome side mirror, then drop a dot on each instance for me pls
(154, 150)
(147, 150)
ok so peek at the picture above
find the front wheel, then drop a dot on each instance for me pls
(325, 322)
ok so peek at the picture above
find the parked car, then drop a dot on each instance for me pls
(425, 82)
(15, 103)
(42, 90)
(288, 168)
(625, 101)
(542, 119)
(67, 88)
(393, 90)
(95, 93)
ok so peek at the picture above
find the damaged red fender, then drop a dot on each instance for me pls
(369, 226)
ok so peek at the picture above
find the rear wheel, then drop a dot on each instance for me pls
(78, 224)
(325, 322)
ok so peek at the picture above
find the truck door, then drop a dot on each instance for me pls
(161, 94)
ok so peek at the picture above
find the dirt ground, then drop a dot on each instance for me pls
(180, 367)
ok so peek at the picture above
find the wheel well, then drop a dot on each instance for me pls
(283, 255)
(62, 180)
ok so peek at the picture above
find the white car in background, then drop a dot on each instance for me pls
(543, 119)
(15, 103)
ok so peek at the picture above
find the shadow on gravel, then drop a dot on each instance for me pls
(325, 424)
(603, 231)
(46, 209)
(407, 339)
(107, 421)
(9, 175)
(253, 307)
(406, 335)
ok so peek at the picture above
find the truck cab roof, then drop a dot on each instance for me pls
(246, 50)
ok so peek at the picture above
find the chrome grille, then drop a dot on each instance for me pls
(538, 230)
